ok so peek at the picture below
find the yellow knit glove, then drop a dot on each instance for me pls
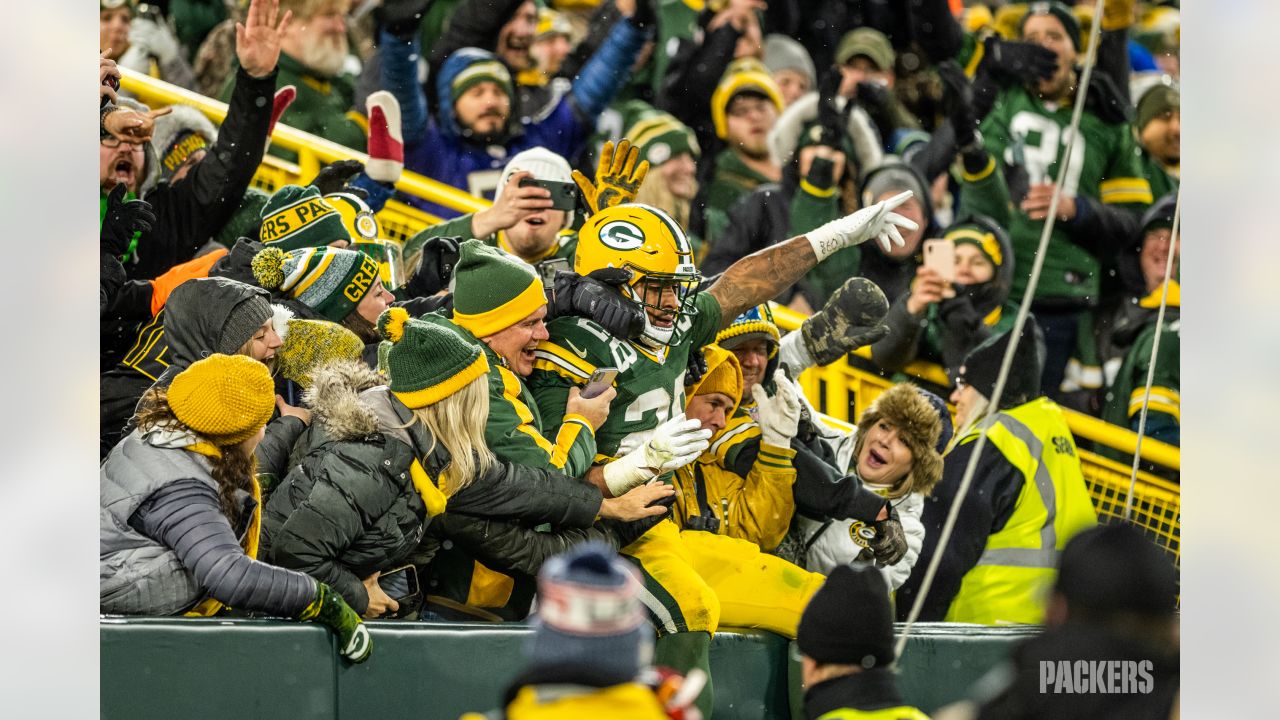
(1117, 14)
(618, 176)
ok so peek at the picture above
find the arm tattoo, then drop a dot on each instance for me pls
(762, 276)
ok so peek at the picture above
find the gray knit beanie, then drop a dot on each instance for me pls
(785, 53)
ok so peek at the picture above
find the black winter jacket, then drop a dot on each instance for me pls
(192, 210)
(349, 507)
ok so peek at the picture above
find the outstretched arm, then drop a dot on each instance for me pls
(765, 273)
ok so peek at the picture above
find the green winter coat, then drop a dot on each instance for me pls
(323, 106)
(1023, 130)
(732, 181)
(1123, 402)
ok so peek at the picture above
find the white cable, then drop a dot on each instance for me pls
(1015, 333)
(1155, 351)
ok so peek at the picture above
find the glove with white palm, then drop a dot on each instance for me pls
(778, 414)
(874, 221)
(674, 444)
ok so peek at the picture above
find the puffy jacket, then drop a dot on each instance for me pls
(756, 507)
(351, 506)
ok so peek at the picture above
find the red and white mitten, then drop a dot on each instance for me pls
(386, 143)
(283, 99)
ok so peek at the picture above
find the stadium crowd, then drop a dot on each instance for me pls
(576, 402)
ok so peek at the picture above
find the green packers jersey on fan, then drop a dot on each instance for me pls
(1106, 166)
(650, 385)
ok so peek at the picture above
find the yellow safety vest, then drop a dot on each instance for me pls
(1011, 582)
(902, 712)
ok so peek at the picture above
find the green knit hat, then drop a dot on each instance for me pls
(310, 344)
(297, 217)
(1156, 101)
(493, 290)
(1058, 10)
(482, 70)
(331, 281)
(979, 236)
(426, 362)
(659, 135)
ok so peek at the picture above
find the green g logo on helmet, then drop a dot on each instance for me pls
(622, 235)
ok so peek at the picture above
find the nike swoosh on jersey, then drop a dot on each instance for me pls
(577, 350)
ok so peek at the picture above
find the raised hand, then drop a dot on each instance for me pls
(618, 176)
(258, 38)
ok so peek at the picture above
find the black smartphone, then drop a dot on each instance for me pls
(564, 195)
(547, 269)
(400, 584)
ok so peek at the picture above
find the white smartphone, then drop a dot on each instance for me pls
(940, 255)
(601, 380)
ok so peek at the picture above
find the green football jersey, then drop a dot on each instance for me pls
(650, 385)
(1106, 166)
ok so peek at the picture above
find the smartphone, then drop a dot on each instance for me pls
(400, 584)
(941, 256)
(601, 380)
(564, 195)
(547, 270)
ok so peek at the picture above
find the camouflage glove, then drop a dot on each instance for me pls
(331, 610)
(890, 543)
(618, 177)
(852, 318)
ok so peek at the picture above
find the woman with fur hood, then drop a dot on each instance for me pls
(380, 462)
(897, 454)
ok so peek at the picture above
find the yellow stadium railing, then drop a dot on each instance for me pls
(838, 390)
(398, 221)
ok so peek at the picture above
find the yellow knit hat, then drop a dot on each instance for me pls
(223, 398)
(723, 375)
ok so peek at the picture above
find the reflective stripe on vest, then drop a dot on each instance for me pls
(1013, 577)
(1047, 555)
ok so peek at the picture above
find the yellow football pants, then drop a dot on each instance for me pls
(698, 580)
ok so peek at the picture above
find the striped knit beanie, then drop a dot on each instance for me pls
(426, 362)
(493, 290)
(297, 217)
(330, 281)
(589, 613)
(754, 324)
(659, 135)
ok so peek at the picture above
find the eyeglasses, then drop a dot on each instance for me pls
(111, 141)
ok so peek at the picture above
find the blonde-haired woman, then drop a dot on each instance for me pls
(180, 508)
(380, 461)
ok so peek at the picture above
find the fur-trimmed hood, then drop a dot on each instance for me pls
(919, 426)
(336, 402)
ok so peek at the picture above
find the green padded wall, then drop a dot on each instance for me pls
(243, 669)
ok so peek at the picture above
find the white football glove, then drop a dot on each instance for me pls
(674, 444)
(854, 229)
(778, 415)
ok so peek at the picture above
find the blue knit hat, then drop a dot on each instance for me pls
(589, 613)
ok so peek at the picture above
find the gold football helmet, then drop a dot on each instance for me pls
(649, 243)
(365, 233)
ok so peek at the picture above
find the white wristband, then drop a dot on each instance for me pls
(826, 239)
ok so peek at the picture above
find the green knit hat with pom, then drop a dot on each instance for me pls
(493, 290)
(331, 281)
(426, 362)
(297, 217)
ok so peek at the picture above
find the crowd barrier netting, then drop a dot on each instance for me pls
(838, 390)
